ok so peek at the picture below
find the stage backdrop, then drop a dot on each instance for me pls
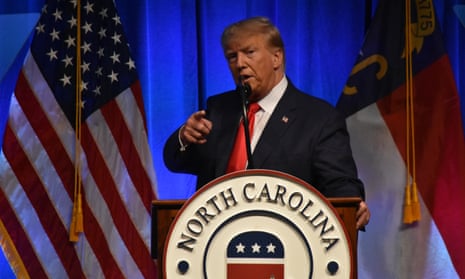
(180, 60)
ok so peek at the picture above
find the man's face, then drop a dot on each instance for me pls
(257, 64)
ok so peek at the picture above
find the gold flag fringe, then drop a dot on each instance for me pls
(412, 211)
(77, 220)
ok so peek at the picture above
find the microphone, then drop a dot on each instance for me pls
(244, 91)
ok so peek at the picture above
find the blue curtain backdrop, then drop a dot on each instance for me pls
(179, 58)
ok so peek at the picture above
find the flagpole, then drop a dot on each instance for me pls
(411, 204)
(77, 217)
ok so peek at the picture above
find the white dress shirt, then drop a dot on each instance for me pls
(267, 106)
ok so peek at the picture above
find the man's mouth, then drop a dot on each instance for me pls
(244, 78)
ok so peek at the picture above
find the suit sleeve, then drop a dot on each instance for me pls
(175, 159)
(333, 163)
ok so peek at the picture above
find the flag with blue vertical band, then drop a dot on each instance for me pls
(388, 137)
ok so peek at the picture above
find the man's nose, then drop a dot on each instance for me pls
(241, 61)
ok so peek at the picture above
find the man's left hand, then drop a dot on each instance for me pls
(363, 215)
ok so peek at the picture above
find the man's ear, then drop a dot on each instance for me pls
(278, 58)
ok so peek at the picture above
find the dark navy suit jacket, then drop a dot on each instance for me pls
(305, 137)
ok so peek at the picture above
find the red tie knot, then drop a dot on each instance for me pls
(254, 107)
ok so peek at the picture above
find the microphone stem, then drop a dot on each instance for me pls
(250, 164)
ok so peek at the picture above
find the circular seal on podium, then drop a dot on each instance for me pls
(257, 224)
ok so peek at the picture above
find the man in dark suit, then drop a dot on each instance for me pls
(293, 132)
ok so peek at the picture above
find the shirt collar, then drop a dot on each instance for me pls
(269, 102)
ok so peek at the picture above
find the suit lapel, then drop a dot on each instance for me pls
(229, 124)
(278, 124)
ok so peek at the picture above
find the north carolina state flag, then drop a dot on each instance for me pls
(254, 255)
(374, 101)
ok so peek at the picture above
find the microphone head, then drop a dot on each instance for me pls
(244, 89)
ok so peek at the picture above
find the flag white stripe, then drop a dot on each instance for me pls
(135, 123)
(54, 189)
(388, 248)
(49, 105)
(254, 261)
(101, 249)
(103, 215)
(29, 221)
(42, 165)
(89, 262)
(93, 196)
(107, 146)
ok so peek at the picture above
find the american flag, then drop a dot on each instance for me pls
(255, 254)
(37, 162)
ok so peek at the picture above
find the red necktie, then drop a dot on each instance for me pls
(238, 158)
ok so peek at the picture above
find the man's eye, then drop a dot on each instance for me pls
(250, 52)
(231, 58)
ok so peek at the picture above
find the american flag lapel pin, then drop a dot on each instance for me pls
(285, 119)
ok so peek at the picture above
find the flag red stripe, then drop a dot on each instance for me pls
(128, 151)
(96, 237)
(32, 109)
(64, 168)
(20, 239)
(440, 149)
(42, 138)
(46, 133)
(107, 187)
(36, 192)
(444, 160)
(137, 91)
(253, 271)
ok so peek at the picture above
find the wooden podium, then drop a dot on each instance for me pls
(164, 211)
